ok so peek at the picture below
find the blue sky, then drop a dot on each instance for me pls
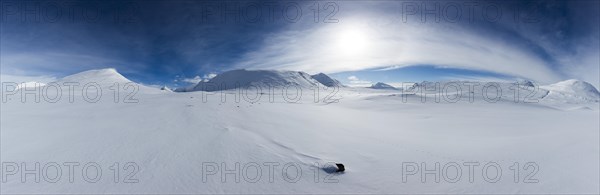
(169, 43)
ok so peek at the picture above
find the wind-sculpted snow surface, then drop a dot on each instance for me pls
(390, 141)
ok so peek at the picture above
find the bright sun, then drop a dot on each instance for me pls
(352, 41)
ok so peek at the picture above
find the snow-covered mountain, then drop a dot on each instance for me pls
(100, 76)
(571, 90)
(380, 85)
(247, 78)
(106, 79)
(326, 80)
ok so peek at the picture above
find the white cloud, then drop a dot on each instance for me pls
(209, 76)
(356, 82)
(196, 79)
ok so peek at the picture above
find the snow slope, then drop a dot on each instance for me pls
(172, 137)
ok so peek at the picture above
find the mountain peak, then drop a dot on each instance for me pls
(107, 75)
(326, 80)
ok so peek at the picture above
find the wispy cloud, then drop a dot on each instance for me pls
(395, 47)
(378, 39)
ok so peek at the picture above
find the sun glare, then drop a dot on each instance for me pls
(352, 41)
